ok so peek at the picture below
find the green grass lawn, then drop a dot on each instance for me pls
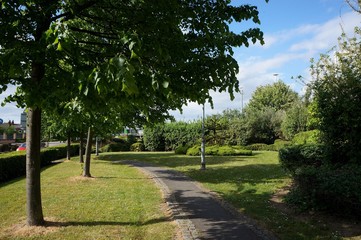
(247, 182)
(118, 203)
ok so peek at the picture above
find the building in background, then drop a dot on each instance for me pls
(11, 132)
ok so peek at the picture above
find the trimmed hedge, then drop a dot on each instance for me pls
(116, 147)
(319, 184)
(181, 150)
(13, 164)
(296, 156)
(219, 151)
(261, 147)
(137, 147)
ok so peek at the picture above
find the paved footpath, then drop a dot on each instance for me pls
(199, 213)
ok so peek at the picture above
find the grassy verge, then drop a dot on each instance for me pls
(118, 203)
(247, 182)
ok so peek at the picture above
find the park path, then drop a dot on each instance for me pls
(199, 214)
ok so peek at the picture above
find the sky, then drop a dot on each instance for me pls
(294, 32)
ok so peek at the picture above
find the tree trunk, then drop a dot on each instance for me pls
(81, 158)
(68, 147)
(33, 190)
(88, 150)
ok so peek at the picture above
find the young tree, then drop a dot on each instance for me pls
(155, 55)
(337, 95)
(277, 96)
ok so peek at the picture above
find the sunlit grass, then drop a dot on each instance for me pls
(118, 203)
(247, 182)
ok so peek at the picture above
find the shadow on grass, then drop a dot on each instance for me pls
(169, 159)
(17, 179)
(106, 223)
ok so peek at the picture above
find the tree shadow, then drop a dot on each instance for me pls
(105, 223)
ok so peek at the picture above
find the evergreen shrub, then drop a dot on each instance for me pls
(137, 147)
(13, 164)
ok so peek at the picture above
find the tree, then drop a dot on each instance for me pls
(337, 95)
(153, 55)
(277, 96)
(295, 121)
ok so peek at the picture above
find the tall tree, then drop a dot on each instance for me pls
(277, 96)
(337, 94)
(154, 55)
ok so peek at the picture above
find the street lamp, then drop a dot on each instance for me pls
(241, 90)
(203, 145)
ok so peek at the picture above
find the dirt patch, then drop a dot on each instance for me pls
(81, 179)
(344, 227)
(21, 229)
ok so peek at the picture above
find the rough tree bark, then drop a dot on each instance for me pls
(34, 209)
(81, 157)
(86, 170)
(68, 142)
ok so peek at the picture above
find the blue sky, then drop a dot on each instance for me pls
(295, 31)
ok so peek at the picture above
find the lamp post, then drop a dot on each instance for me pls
(203, 145)
(241, 90)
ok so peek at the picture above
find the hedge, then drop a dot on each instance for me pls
(219, 151)
(13, 164)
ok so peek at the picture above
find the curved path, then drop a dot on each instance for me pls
(199, 213)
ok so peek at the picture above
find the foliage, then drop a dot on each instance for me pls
(12, 164)
(326, 188)
(170, 136)
(276, 96)
(116, 147)
(295, 157)
(337, 93)
(216, 150)
(263, 125)
(194, 151)
(295, 121)
(261, 147)
(154, 138)
(307, 137)
(181, 150)
(137, 147)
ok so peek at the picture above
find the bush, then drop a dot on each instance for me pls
(181, 150)
(5, 147)
(327, 188)
(307, 137)
(296, 156)
(13, 164)
(137, 147)
(120, 146)
(261, 147)
(219, 151)
(194, 151)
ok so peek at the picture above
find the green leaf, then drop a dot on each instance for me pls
(59, 48)
(165, 84)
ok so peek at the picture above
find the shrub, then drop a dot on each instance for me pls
(212, 150)
(327, 188)
(137, 147)
(261, 147)
(13, 164)
(181, 150)
(278, 144)
(219, 151)
(120, 146)
(307, 137)
(296, 156)
(194, 151)
(5, 147)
